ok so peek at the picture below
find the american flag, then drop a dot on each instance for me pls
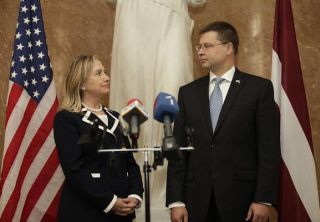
(298, 200)
(31, 176)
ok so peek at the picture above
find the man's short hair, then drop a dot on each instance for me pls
(226, 33)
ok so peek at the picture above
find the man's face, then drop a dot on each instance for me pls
(211, 51)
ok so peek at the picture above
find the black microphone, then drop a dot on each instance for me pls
(134, 114)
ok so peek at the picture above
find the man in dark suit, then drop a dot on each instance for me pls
(232, 175)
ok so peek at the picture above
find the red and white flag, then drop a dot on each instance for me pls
(31, 176)
(298, 199)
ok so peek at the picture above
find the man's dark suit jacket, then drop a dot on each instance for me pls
(239, 162)
(91, 178)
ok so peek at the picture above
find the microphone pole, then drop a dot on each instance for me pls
(134, 130)
(146, 172)
(135, 114)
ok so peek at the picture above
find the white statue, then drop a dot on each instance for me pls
(151, 53)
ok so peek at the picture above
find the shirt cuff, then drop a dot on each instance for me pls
(176, 204)
(268, 204)
(138, 198)
(109, 207)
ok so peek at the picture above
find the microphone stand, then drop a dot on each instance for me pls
(146, 169)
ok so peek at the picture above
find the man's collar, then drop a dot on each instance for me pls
(228, 75)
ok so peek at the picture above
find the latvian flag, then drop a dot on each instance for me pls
(298, 199)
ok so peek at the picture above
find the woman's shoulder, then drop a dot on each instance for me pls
(65, 114)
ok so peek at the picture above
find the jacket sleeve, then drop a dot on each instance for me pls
(134, 176)
(66, 136)
(268, 142)
(176, 172)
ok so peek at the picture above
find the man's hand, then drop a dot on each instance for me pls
(122, 207)
(179, 214)
(259, 212)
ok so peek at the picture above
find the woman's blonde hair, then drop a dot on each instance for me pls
(72, 89)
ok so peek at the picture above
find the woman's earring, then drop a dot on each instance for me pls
(83, 88)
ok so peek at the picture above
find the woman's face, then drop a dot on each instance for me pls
(97, 83)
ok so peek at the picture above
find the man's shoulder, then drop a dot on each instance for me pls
(201, 80)
(256, 79)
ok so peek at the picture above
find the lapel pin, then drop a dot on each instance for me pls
(238, 81)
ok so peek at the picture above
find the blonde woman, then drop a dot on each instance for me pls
(98, 187)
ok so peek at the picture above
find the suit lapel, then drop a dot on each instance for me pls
(203, 89)
(236, 84)
(90, 118)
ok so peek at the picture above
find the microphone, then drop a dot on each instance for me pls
(134, 114)
(165, 111)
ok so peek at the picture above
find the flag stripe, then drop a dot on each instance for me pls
(14, 94)
(15, 144)
(29, 133)
(15, 119)
(295, 149)
(290, 200)
(287, 50)
(39, 185)
(52, 210)
(32, 178)
(37, 141)
(48, 194)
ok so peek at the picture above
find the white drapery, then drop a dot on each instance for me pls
(151, 53)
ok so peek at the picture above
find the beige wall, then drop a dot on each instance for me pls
(76, 27)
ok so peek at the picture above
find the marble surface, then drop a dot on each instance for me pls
(76, 27)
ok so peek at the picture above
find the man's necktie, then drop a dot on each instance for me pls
(216, 102)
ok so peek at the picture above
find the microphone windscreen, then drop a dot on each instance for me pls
(165, 104)
(133, 100)
(134, 107)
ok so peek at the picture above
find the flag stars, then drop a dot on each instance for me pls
(24, 71)
(32, 69)
(22, 58)
(28, 32)
(30, 57)
(33, 7)
(17, 25)
(33, 82)
(43, 67)
(26, 21)
(29, 45)
(20, 47)
(12, 63)
(14, 74)
(18, 35)
(39, 43)
(40, 55)
(37, 31)
(24, 9)
(36, 94)
(35, 19)
(25, 83)
(45, 79)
